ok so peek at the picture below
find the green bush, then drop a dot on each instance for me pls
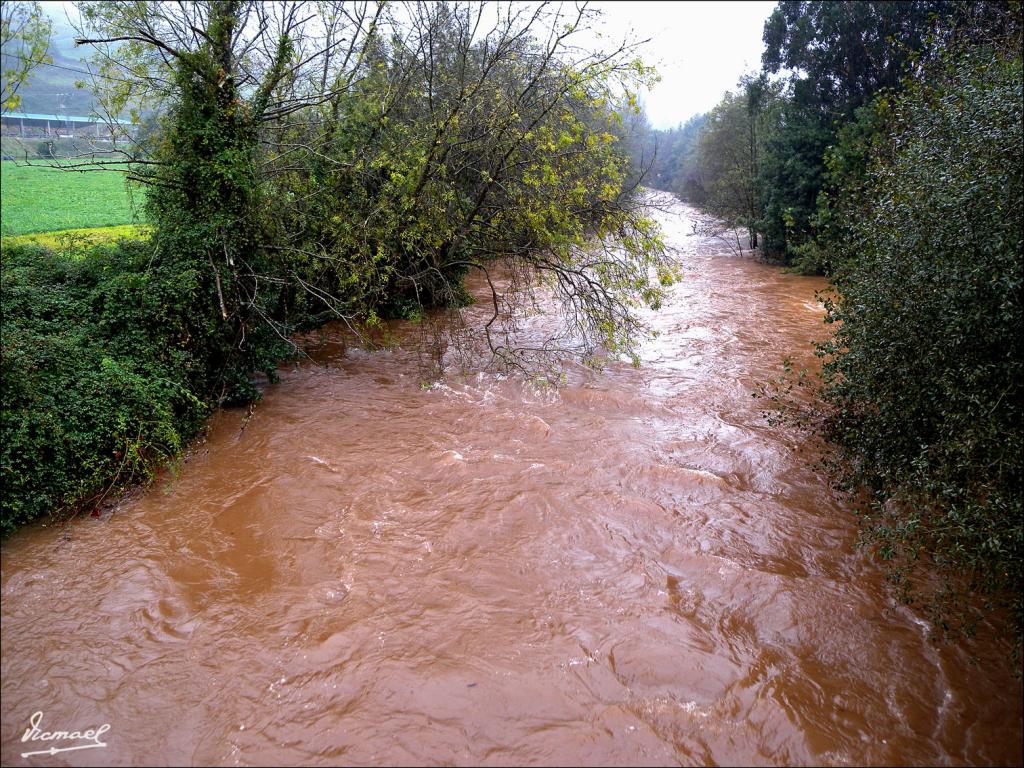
(100, 374)
(924, 369)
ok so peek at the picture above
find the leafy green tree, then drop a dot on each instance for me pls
(223, 71)
(814, 251)
(455, 153)
(728, 155)
(841, 53)
(24, 42)
(726, 161)
(838, 56)
(790, 173)
(422, 152)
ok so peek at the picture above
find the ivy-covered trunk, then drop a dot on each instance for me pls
(210, 212)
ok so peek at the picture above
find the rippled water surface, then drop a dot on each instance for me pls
(634, 569)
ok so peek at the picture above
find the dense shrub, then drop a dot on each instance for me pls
(925, 365)
(100, 373)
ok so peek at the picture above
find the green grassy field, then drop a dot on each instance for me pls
(40, 199)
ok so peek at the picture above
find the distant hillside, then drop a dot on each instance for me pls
(51, 88)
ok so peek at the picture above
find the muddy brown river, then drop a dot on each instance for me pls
(632, 569)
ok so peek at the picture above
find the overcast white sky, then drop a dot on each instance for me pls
(700, 49)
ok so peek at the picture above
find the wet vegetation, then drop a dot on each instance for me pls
(891, 161)
(306, 162)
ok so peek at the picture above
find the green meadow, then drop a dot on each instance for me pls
(39, 198)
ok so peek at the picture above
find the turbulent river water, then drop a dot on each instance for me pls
(632, 569)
